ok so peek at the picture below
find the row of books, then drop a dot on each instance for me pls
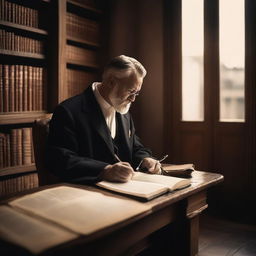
(82, 28)
(13, 42)
(78, 81)
(16, 148)
(21, 88)
(81, 56)
(18, 183)
(18, 14)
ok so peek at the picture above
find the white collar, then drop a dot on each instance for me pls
(105, 106)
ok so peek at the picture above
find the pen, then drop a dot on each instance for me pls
(138, 167)
(163, 158)
(117, 158)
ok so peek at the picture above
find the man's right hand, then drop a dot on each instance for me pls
(120, 172)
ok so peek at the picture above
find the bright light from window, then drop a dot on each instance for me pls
(232, 48)
(192, 60)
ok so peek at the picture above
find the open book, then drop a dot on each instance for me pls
(57, 215)
(146, 186)
(178, 170)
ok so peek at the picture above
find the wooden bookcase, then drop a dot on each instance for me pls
(78, 43)
(23, 88)
(49, 51)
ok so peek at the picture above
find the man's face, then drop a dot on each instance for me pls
(124, 92)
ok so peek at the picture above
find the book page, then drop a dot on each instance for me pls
(171, 182)
(80, 210)
(33, 234)
(136, 188)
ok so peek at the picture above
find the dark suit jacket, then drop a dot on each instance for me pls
(80, 144)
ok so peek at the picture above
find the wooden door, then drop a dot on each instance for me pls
(212, 145)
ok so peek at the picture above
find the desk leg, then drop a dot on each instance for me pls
(192, 236)
(195, 205)
(181, 236)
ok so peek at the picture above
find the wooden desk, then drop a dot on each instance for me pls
(171, 226)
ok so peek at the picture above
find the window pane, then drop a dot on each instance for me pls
(232, 37)
(192, 60)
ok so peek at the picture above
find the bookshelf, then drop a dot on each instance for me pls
(78, 49)
(23, 88)
(49, 51)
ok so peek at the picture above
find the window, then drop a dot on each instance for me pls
(231, 45)
(192, 60)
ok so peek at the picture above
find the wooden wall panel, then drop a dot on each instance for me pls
(230, 159)
(191, 147)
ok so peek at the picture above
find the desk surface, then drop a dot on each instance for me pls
(186, 203)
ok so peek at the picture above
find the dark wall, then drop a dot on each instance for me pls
(136, 29)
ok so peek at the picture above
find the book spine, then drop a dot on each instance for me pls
(19, 146)
(14, 147)
(23, 15)
(40, 88)
(26, 146)
(33, 88)
(6, 88)
(25, 88)
(14, 13)
(44, 87)
(27, 16)
(20, 90)
(37, 85)
(30, 84)
(8, 11)
(7, 136)
(16, 88)
(12, 88)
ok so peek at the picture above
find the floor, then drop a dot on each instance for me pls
(226, 238)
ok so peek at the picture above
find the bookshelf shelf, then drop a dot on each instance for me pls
(84, 6)
(72, 39)
(22, 54)
(7, 24)
(81, 64)
(17, 169)
(21, 117)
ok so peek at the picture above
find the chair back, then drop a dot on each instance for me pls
(40, 132)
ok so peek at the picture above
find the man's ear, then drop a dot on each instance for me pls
(112, 82)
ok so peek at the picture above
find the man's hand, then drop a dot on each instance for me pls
(121, 172)
(153, 166)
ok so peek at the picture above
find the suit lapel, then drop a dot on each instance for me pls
(124, 124)
(92, 108)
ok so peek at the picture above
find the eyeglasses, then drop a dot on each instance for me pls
(135, 93)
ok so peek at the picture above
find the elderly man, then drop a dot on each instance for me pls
(92, 135)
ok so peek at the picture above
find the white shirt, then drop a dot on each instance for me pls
(108, 111)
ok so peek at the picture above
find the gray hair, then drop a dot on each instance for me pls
(123, 66)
